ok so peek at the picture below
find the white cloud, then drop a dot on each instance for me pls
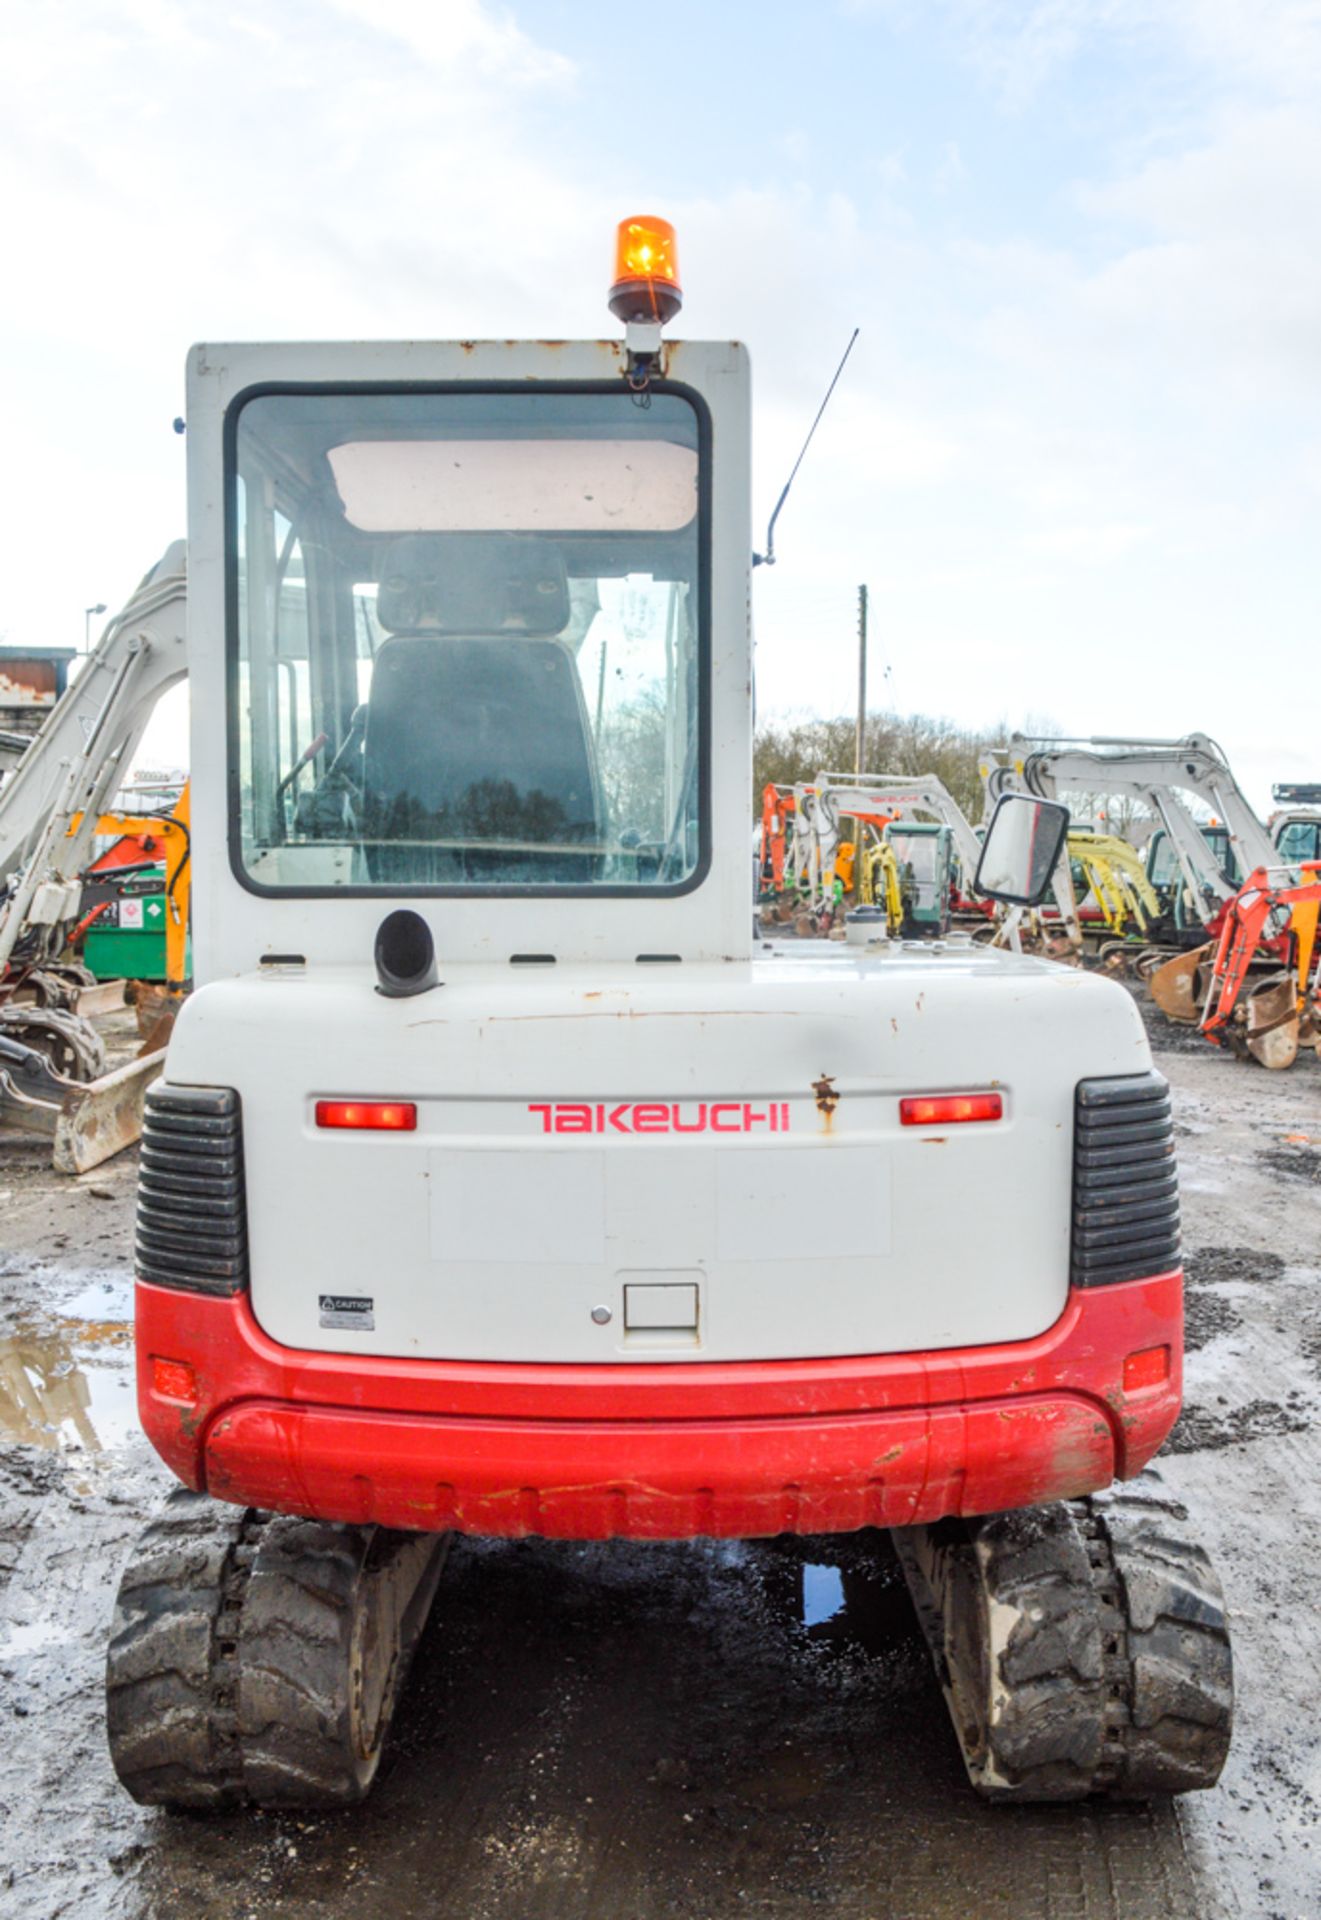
(1019, 47)
(462, 37)
(1076, 475)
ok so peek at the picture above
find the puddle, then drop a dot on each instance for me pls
(823, 1595)
(854, 1602)
(105, 1298)
(35, 1636)
(69, 1385)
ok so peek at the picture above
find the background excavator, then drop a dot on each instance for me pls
(898, 800)
(1250, 982)
(54, 803)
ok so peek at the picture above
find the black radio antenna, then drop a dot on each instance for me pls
(767, 559)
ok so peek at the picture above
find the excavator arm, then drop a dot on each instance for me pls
(1158, 773)
(51, 806)
(78, 760)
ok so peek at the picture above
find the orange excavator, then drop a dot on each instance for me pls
(1247, 919)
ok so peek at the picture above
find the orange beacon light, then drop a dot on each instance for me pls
(646, 285)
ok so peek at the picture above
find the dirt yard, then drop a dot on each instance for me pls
(616, 1733)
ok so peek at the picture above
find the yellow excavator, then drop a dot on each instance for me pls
(1109, 878)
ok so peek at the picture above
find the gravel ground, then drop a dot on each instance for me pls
(608, 1733)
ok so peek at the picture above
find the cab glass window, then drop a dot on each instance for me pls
(1299, 841)
(468, 640)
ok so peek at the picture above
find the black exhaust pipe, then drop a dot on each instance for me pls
(405, 955)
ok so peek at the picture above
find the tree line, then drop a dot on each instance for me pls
(786, 751)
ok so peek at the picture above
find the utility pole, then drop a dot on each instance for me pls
(862, 678)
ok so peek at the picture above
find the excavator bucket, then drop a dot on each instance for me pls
(103, 1116)
(1174, 986)
(1273, 1025)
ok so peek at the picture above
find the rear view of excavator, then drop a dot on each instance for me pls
(502, 1182)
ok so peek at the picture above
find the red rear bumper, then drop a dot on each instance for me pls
(661, 1451)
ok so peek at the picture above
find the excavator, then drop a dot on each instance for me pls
(821, 868)
(53, 804)
(1266, 923)
(1116, 901)
(502, 1182)
(891, 798)
(1118, 908)
(1295, 827)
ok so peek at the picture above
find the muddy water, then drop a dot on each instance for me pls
(620, 1732)
(67, 1381)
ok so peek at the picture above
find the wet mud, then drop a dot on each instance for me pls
(618, 1732)
(1214, 1266)
(1206, 1317)
(1292, 1162)
(1203, 1429)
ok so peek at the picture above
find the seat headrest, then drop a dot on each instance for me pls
(472, 583)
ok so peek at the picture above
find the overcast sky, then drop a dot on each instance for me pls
(1076, 456)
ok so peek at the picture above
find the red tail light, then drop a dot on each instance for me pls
(174, 1380)
(950, 1109)
(1150, 1367)
(386, 1116)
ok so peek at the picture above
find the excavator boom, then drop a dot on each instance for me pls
(51, 807)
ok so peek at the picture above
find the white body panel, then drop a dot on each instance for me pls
(615, 1160)
(490, 1233)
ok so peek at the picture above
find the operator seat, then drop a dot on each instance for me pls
(476, 727)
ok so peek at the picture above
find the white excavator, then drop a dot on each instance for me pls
(1273, 1010)
(53, 801)
(502, 1181)
(821, 805)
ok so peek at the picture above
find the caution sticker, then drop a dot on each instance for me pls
(352, 1312)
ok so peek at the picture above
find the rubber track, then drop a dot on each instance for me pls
(233, 1661)
(1171, 1691)
(1048, 1740)
(171, 1670)
(294, 1716)
(1115, 1677)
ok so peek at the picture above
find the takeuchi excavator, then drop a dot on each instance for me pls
(503, 1182)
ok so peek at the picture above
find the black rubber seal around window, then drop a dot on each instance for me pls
(418, 892)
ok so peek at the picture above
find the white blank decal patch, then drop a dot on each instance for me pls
(786, 1203)
(511, 1206)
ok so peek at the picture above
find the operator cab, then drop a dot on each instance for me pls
(1298, 839)
(468, 640)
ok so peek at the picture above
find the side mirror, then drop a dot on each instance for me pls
(1021, 849)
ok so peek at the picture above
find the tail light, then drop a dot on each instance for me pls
(381, 1116)
(950, 1109)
